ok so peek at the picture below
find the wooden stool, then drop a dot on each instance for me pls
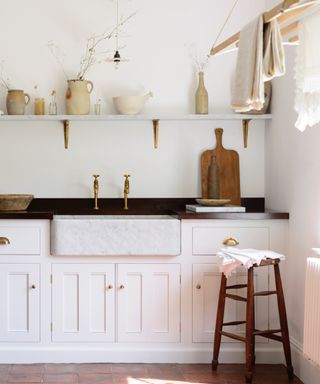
(251, 332)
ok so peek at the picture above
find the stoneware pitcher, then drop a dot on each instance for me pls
(78, 97)
(17, 101)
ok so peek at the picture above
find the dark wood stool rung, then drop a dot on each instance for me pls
(236, 297)
(271, 336)
(233, 336)
(237, 286)
(233, 323)
(266, 332)
(265, 293)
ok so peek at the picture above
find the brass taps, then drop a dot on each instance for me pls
(126, 191)
(96, 190)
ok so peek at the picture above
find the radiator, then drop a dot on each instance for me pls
(311, 345)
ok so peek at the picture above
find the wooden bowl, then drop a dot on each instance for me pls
(213, 202)
(15, 202)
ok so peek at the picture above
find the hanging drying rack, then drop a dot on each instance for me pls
(283, 12)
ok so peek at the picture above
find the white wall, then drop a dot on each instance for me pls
(32, 155)
(293, 184)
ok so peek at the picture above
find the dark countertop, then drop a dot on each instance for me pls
(46, 208)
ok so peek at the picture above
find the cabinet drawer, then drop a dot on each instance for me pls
(22, 240)
(208, 240)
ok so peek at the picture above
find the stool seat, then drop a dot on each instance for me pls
(251, 331)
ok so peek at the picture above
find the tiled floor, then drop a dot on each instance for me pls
(138, 374)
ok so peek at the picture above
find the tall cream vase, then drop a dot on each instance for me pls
(78, 97)
(202, 104)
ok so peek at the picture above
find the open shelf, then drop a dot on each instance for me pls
(155, 118)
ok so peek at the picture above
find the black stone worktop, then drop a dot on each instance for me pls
(41, 208)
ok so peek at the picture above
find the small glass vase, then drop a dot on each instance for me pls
(201, 97)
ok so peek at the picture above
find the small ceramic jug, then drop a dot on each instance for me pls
(17, 101)
(78, 97)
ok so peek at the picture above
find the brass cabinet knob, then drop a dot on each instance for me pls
(121, 286)
(33, 286)
(198, 286)
(110, 286)
(4, 241)
(231, 242)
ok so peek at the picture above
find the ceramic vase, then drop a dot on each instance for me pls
(78, 97)
(17, 101)
(201, 97)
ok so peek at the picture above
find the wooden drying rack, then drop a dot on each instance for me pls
(283, 12)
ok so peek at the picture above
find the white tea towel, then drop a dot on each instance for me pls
(247, 88)
(307, 73)
(232, 257)
(273, 53)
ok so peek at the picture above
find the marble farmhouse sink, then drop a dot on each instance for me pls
(109, 235)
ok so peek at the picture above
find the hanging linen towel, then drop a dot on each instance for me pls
(273, 54)
(231, 258)
(307, 73)
(247, 89)
(260, 58)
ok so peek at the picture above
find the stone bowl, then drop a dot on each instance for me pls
(15, 202)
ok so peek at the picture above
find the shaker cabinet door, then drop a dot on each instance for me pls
(19, 302)
(206, 286)
(83, 302)
(148, 302)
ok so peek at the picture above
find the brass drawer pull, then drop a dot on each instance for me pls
(231, 242)
(4, 241)
(198, 286)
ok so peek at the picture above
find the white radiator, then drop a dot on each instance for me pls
(311, 345)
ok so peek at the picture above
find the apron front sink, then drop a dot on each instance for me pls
(111, 235)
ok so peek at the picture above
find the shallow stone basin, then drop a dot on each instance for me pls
(111, 235)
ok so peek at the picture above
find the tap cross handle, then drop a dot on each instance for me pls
(126, 183)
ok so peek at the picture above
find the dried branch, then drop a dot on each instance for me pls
(4, 80)
(89, 58)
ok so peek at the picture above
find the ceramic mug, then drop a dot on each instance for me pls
(17, 101)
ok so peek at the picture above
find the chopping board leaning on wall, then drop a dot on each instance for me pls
(229, 175)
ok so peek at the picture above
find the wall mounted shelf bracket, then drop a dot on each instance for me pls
(156, 124)
(66, 126)
(245, 128)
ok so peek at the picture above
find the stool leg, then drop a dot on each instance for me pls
(219, 322)
(250, 327)
(283, 321)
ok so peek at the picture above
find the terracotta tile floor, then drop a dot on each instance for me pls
(138, 374)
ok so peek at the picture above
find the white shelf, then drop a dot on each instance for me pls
(230, 116)
(155, 118)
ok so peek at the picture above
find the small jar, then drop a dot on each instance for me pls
(39, 106)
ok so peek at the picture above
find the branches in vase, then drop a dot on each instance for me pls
(91, 56)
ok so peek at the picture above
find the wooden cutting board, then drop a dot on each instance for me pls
(228, 163)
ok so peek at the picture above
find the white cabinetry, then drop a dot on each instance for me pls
(83, 302)
(149, 302)
(19, 302)
(128, 308)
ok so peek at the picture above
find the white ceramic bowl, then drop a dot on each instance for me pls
(130, 105)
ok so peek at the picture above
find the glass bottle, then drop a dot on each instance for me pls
(201, 97)
(97, 107)
(53, 110)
